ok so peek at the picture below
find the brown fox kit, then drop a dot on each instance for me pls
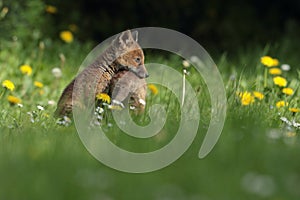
(126, 84)
(123, 54)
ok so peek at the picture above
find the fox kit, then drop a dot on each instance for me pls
(126, 84)
(123, 54)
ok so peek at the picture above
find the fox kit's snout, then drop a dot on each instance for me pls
(140, 71)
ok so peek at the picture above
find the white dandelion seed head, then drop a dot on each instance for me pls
(185, 63)
(51, 102)
(285, 67)
(56, 72)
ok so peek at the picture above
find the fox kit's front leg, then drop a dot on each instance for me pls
(125, 84)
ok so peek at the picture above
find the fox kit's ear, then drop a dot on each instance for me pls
(126, 37)
(135, 35)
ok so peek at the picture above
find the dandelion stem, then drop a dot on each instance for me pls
(183, 88)
(265, 77)
(2, 93)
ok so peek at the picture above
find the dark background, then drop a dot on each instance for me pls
(213, 23)
(216, 24)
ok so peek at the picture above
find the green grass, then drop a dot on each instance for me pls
(43, 160)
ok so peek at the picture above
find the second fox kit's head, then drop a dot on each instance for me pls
(129, 53)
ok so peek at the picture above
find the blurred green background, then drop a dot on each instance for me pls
(255, 158)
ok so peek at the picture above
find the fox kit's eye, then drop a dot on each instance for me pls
(138, 60)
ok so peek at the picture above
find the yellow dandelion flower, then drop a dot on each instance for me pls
(8, 85)
(66, 36)
(275, 62)
(103, 97)
(269, 61)
(275, 71)
(51, 9)
(246, 98)
(294, 110)
(13, 99)
(258, 95)
(41, 92)
(26, 69)
(153, 89)
(38, 84)
(280, 81)
(280, 104)
(288, 91)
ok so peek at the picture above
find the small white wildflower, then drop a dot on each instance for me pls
(185, 72)
(295, 124)
(285, 120)
(185, 63)
(65, 121)
(131, 107)
(109, 125)
(118, 103)
(56, 72)
(20, 105)
(51, 102)
(40, 107)
(290, 123)
(285, 67)
(142, 101)
(31, 117)
(99, 110)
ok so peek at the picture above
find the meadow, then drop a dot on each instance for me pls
(256, 157)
